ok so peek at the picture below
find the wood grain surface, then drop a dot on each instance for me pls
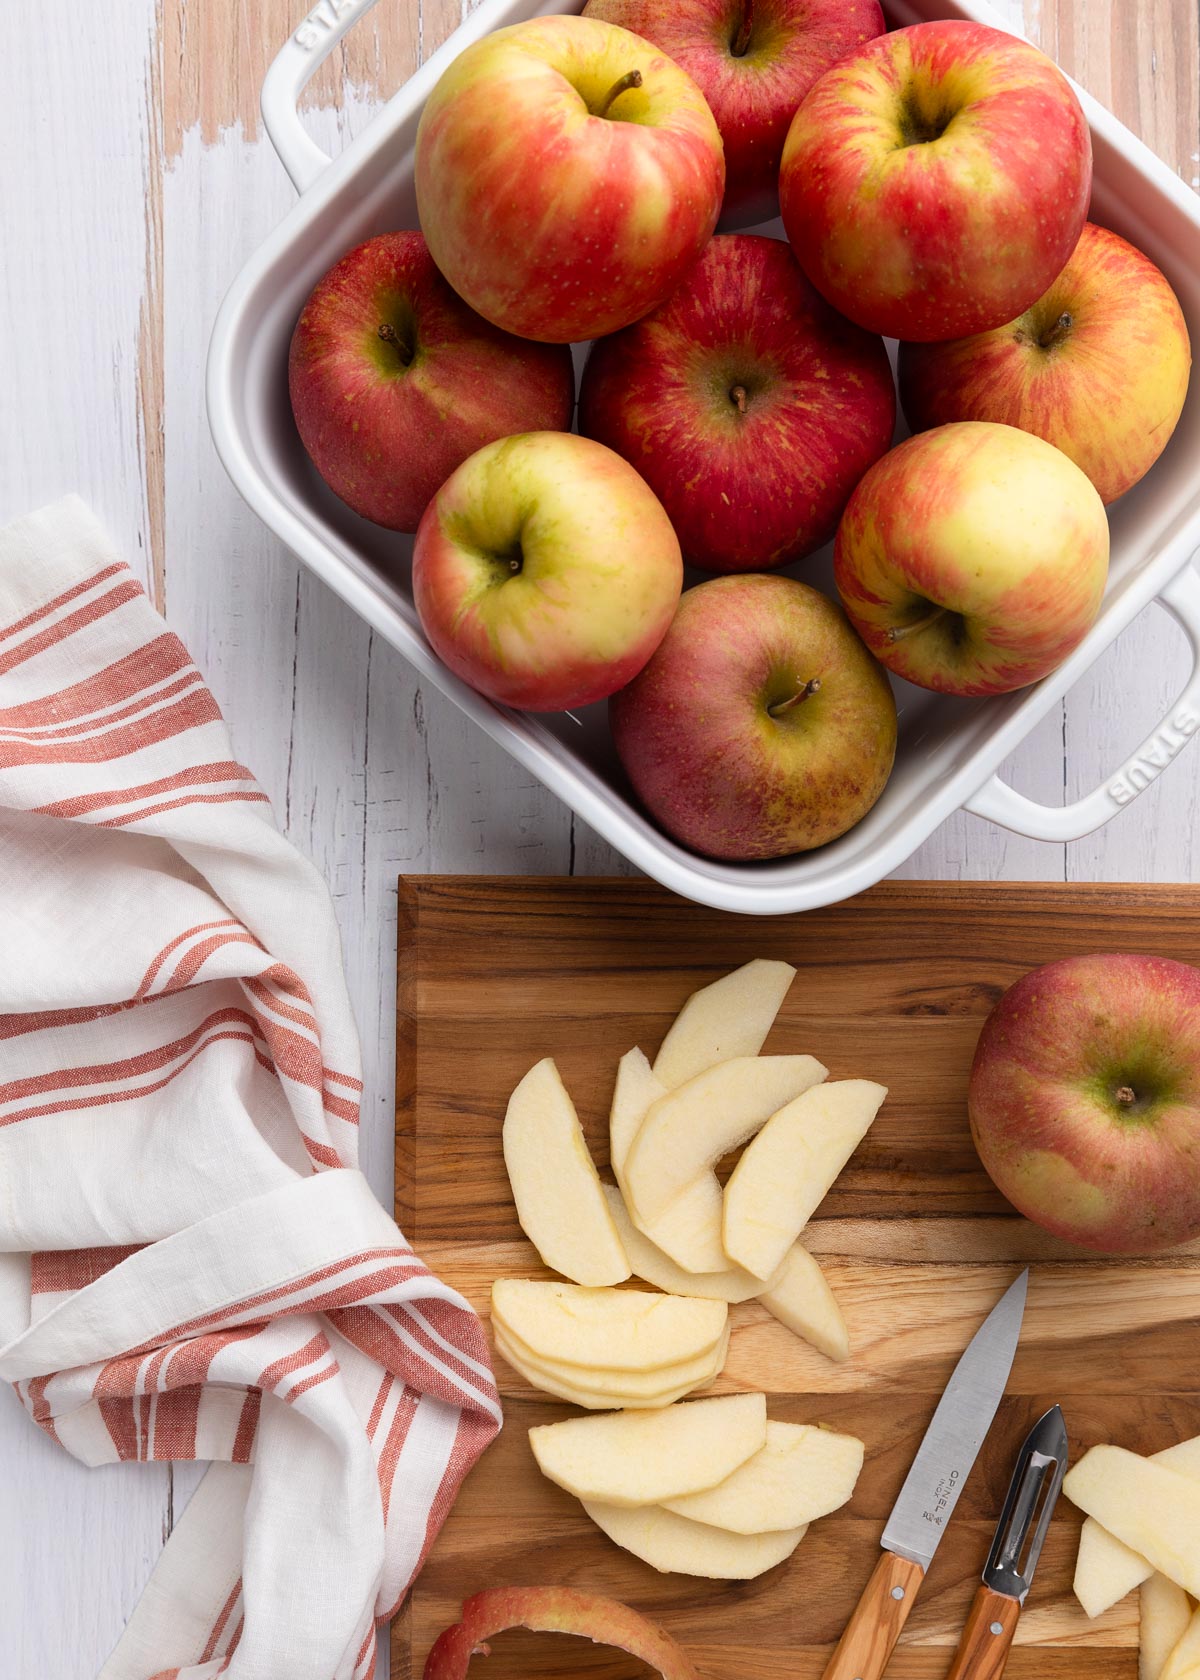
(917, 1243)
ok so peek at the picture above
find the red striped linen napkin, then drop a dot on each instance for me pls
(191, 1264)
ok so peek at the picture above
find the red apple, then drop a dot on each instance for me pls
(568, 174)
(748, 405)
(1098, 366)
(761, 726)
(1085, 1100)
(553, 1610)
(972, 559)
(394, 380)
(935, 181)
(545, 571)
(754, 61)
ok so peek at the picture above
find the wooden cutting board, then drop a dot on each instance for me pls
(918, 1245)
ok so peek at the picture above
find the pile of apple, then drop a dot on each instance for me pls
(709, 1488)
(737, 406)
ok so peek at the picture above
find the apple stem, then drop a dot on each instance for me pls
(741, 40)
(1058, 331)
(1126, 1096)
(898, 632)
(803, 693)
(738, 398)
(389, 335)
(631, 79)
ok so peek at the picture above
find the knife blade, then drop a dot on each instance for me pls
(931, 1490)
(1020, 1535)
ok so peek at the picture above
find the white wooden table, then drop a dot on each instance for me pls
(136, 180)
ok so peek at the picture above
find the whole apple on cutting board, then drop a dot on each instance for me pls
(754, 61)
(1098, 366)
(749, 406)
(567, 174)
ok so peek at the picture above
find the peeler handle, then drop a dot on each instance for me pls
(986, 1638)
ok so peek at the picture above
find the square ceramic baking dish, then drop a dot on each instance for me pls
(949, 749)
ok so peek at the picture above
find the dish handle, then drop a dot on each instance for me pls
(292, 69)
(1001, 804)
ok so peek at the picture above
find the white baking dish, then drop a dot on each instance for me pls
(949, 749)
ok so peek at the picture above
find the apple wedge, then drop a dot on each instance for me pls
(655, 1266)
(616, 1391)
(732, 1017)
(559, 1199)
(1105, 1570)
(1153, 1510)
(785, 1173)
(800, 1474)
(613, 1329)
(686, 1132)
(1183, 1663)
(644, 1458)
(634, 1092)
(799, 1296)
(676, 1546)
(1165, 1615)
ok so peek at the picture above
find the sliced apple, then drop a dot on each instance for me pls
(799, 1296)
(1151, 1509)
(655, 1266)
(621, 1390)
(686, 1132)
(635, 1090)
(800, 1474)
(614, 1329)
(1105, 1570)
(675, 1545)
(1183, 1663)
(643, 1458)
(553, 1610)
(1165, 1615)
(555, 1185)
(786, 1172)
(732, 1017)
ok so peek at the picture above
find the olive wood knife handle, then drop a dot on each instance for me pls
(872, 1631)
(983, 1649)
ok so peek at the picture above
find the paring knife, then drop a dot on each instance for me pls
(930, 1492)
(1041, 1466)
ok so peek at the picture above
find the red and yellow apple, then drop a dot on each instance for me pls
(1098, 366)
(545, 572)
(749, 406)
(972, 559)
(394, 381)
(1085, 1100)
(761, 726)
(568, 174)
(754, 61)
(935, 181)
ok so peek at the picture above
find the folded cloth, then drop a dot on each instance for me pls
(191, 1264)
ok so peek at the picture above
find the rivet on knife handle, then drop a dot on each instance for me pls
(873, 1629)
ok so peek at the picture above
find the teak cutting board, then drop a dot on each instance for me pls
(918, 1245)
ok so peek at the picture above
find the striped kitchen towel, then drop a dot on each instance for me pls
(191, 1264)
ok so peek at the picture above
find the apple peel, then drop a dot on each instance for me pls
(605, 1621)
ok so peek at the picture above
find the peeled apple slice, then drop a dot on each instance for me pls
(799, 1296)
(800, 1474)
(618, 1390)
(555, 1186)
(614, 1329)
(1153, 1510)
(732, 1017)
(642, 1458)
(686, 1132)
(1165, 1615)
(553, 1610)
(1183, 1663)
(786, 1172)
(1105, 1570)
(676, 1546)
(636, 1088)
(651, 1263)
